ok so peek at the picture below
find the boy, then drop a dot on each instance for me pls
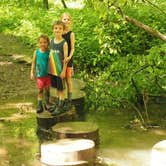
(57, 64)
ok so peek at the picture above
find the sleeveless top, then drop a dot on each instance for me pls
(66, 36)
(41, 63)
(56, 57)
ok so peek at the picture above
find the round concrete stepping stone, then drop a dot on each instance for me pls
(85, 130)
(45, 120)
(67, 152)
(158, 157)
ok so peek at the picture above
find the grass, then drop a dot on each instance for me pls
(10, 45)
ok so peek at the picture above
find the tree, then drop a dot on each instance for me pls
(64, 4)
(45, 4)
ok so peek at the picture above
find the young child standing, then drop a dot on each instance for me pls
(57, 64)
(40, 67)
(69, 36)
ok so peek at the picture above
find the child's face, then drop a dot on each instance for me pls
(58, 30)
(66, 20)
(43, 44)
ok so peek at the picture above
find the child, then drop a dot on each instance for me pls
(68, 35)
(40, 66)
(59, 52)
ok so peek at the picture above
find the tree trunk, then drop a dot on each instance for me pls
(146, 28)
(45, 4)
(64, 4)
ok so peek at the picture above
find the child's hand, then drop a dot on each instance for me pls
(67, 59)
(62, 75)
(32, 77)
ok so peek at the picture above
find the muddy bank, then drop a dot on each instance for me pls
(15, 83)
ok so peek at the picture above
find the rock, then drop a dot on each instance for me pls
(84, 130)
(67, 152)
(158, 157)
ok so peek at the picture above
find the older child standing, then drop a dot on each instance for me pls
(40, 67)
(68, 35)
(57, 64)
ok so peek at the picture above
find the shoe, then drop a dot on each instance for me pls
(67, 105)
(39, 110)
(47, 106)
(56, 111)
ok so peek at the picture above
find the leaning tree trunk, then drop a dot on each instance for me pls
(64, 4)
(146, 28)
(45, 4)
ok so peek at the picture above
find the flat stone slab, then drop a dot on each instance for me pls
(45, 119)
(158, 157)
(85, 130)
(68, 152)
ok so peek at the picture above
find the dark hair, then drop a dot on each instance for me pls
(58, 22)
(44, 37)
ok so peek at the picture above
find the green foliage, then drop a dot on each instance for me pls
(119, 61)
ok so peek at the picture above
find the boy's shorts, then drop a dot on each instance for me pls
(69, 72)
(43, 82)
(57, 82)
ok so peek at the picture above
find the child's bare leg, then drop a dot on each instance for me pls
(69, 88)
(40, 104)
(47, 96)
(59, 107)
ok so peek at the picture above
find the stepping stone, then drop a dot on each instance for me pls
(66, 152)
(45, 120)
(85, 130)
(158, 157)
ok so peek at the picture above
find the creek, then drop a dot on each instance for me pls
(19, 143)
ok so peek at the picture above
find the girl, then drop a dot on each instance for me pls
(68, 35)
(40, 68)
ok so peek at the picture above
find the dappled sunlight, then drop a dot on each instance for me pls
(71, 4)
(20, 143)
(5, 63)
(25, 107)
(17, 56)
(4, 158)
(125, 157)
(14, 118)
(3, 152)
(75, 5)
(161, 132)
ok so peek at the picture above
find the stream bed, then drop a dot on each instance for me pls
(19, 143)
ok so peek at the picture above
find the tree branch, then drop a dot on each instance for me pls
(146, 28)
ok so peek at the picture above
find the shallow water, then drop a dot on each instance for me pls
(19, 143)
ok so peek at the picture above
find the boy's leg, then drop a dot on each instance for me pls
(40, 104)
(60, 92)
(59, 108)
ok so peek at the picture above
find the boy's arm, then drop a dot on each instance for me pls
(65, 50)
(33, 65)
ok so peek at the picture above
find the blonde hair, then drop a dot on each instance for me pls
(65, 14)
